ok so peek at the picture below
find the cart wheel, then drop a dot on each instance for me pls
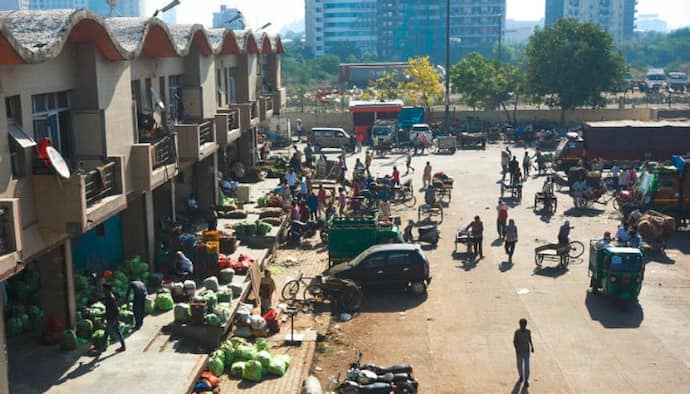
(616, 206)
(538, 259)
(441, 216)
(502, 189)
(452, 151)
(450, 195)
(576, 248)
(419, 213)
(313, 293)
(564, 261)
(535, 203)
(554, 203)
(290, 290)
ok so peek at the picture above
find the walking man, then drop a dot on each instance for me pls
(526, 164)
(476, 235)
(502, 211)
(426, 177)
(510, 239)
(112, 321)
(368, 157)
(408, 162)
(138, 301)
(522, 341)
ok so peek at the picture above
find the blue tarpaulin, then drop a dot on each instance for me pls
(410, 116)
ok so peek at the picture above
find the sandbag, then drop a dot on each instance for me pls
(224, 294)
(182, 312)
(237, 368)
(216, 366)
(236, 290)
(212, 320)
(271, 212)
(84, 329)
(245, 352)
(211, 283)
(226, 275)
(211, 300)
(277, 366)
(273, 221)
(164, 302)
(264, 358)
(68, 341)
(189, 285)
(236, 214)
(148, 305)
(253, 371)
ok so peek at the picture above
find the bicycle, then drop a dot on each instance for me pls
(292, 287)
(404, 194)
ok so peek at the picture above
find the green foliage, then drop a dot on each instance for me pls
(573, 63)
(484, 84)
(669, 51)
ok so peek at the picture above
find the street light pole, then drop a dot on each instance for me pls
(447, 76)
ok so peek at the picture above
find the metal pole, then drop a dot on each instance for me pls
(447, 76)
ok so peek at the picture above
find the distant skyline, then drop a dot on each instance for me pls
(676, 13)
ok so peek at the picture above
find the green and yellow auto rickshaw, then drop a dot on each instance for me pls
(616, 271)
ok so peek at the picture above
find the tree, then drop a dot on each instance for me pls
(419, 84)
(484, 84)
(573, 63)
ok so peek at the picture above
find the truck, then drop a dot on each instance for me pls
(662, 188)
(655, 81)
(629, 140)
(677, 82)
(348, 237)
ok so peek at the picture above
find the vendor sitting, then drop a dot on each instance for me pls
(605, 241)
(622, 235)
(183, 264)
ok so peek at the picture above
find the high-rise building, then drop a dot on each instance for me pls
(615, 16)
(100, 7)
(334, 24)
(651, 22)
(221, 18)
(409, 28)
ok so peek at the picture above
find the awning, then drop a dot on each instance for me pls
(20, 137)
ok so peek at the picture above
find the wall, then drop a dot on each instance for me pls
(107, 248)
(207, 80)
(344, 119)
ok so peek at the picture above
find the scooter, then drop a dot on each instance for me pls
(428, 233)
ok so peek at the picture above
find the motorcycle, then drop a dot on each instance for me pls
(299, 230)
(428, 233)
(365, 379)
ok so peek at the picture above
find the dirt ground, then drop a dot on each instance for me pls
(459, 337)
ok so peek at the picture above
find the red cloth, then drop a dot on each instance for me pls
(503, 213)
(396, 176)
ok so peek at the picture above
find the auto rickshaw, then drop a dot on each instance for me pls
(616, 271)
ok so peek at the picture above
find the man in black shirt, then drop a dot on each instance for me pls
(522, 341)
(138, 301)
(112, 314)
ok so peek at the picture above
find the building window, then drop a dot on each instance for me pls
(230, 95)
(52, 119)
(219, 88)
(176, 99)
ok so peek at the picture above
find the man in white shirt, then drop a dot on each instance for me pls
(615, 173)
(291, 179)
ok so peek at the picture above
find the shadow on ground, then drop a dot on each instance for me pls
(390, 300)
(612, 313)
(583, 212)
(550, 272)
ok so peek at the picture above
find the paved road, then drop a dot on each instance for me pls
(459, 339)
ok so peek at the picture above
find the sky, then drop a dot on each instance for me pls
(283, 12)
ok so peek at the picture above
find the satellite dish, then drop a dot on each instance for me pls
(158, 103)
(58, 162)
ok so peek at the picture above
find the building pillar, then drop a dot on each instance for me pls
(172, 200)
(215, 178)
(69, 284)
(150, 224)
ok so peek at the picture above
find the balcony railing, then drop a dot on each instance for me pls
(268, 102)
(163, 152)
(233, 119)
(100, 183)
(253, 112)
(205, 133)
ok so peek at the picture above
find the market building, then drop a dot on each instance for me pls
(144, 115)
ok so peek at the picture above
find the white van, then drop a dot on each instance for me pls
(421, 128)
(655, 80)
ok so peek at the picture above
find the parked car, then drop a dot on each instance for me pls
(329, 137)
(421, 128)
(655, 80)
(678, 81)
(390, 265)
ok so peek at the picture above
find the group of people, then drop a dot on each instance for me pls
(625, 236)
